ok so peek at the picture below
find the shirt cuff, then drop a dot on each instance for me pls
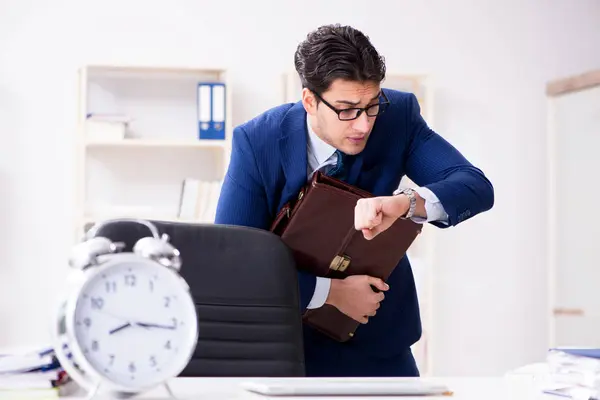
(321, 292)
(434, 209)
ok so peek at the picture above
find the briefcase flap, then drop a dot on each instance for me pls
(319, 229)
(376, 257)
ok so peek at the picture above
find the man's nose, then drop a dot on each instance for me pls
(362, 123)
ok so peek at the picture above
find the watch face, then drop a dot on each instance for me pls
(135, 323)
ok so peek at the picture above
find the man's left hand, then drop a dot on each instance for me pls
(376, 214)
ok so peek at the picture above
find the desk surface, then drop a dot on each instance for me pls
(507, 388)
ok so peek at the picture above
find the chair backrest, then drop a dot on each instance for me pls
(244, 284)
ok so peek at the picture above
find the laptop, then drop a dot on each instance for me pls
(346, 387)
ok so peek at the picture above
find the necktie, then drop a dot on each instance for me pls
(339, 169)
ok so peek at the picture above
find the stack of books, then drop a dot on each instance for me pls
(198, 201)
(574, 372)
(31, 373)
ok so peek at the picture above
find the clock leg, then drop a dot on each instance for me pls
(169, 390)
(93, 392)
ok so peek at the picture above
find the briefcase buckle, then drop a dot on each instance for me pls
(340, 263)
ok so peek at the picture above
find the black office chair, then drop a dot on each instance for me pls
(244, 284)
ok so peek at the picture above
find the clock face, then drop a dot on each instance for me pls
(135, 323)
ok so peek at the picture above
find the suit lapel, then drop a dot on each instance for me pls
(293, 148)
(292, 145)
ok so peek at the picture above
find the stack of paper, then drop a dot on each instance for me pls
(30, 373)
(106, 127)
(574, 372)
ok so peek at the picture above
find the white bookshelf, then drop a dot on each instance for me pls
(422, 252)
(141, 173)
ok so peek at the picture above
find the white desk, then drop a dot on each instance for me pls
(502, 388)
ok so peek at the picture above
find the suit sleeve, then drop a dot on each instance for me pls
(432, 162)
(243, 201)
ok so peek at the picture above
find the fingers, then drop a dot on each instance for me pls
(374, 215)
(376, 230)
(367, 293)
(367, 213)
(372, 313)
(368, 233)
(378, 283)
(365, 318)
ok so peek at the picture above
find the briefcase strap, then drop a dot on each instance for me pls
(342, 261)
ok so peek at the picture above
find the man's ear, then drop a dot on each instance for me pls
(309, 101)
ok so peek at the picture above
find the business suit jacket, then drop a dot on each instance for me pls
(268, 167)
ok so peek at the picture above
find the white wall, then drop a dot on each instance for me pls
(490, 60)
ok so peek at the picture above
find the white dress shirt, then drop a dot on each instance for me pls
(321, 156)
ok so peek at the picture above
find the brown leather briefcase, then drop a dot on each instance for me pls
(318, 226)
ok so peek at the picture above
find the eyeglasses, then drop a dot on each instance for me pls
(349, 114)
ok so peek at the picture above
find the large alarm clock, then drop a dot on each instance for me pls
(128, 321)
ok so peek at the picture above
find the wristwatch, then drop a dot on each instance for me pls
(410, 193)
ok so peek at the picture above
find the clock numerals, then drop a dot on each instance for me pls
(111, 287)
(130, 280)
(106, 328)
(97, 303)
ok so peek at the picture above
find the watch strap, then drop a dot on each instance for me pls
(410, 193)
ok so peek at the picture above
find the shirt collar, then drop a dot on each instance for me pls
(321, 150)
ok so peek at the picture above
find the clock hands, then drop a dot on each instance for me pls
(148, 325)
(127, 323)
(119, 328)
(140, 324)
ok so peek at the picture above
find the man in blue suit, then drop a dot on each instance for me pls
(348, 125)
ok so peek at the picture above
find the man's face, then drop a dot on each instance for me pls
(348, 136)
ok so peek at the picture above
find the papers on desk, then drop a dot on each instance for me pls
(30, 372)
(574, 373)
(346, 387)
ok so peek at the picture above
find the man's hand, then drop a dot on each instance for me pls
(355, 297)
(376, 214)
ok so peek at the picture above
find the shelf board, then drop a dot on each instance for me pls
(155, 71)
(168, 143)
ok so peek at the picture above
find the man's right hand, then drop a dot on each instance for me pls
(355, 297)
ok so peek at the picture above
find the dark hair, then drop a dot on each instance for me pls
(334, 51)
